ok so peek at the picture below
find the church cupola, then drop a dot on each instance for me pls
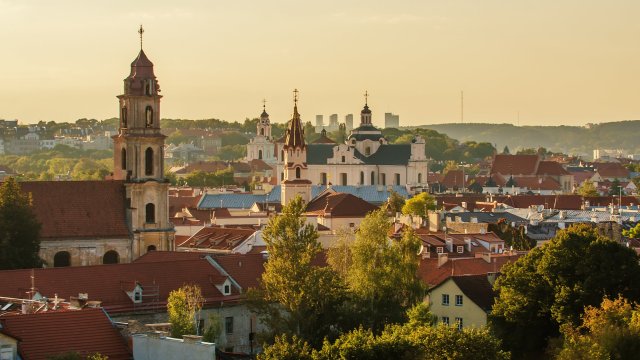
(264, 124)
(365, 114)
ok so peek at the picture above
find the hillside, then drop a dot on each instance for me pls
(578, 140)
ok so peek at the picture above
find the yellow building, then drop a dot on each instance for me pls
(463, 301)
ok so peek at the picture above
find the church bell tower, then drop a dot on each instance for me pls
(139, 161)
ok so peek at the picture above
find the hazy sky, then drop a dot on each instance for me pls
(555, 61)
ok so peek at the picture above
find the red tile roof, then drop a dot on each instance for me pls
(477, 288)
(611, 170)
(106, 282)
(79, 209)
(433, 275)
(335, 204)
(454, 178)
(515, 164)
(52, 333)
(551, 168)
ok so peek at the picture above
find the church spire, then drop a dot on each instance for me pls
(295, 132)
(365, 114)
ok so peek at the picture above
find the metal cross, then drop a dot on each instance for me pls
(295, 96)
(141, 31)
(366, 96)
(264, 104)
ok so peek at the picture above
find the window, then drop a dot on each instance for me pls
(439, 250)
(149, 87)
(361, 177)
(260, 154)
(419, 178)
(445, 320)
(227, 289)
(460, 249)
(137, 296)
(148, 113)
(323, 178)
(124, 117)
(373, 178)
(297, 173)
(397, 176)
(62, 259)
(262, 132)
(383, 179)
(151, 248)
(459, 323)
(228, 324)
(148, 161)
(445, 299)
(458, 300)
(343, 159)
(150, 213)
(343, 179)
(281, 176)
(367, 150)
(6, 352)
(123, 159)
(111, 257)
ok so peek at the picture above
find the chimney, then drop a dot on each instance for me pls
(442, 259)
(474, 220)
(192, 339)
(468, 241)
(449, 242)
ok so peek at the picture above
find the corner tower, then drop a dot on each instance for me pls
(296, 181)
(139, 161)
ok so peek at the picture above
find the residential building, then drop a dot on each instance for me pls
(391, 120)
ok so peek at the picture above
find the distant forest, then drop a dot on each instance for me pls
(574, 140)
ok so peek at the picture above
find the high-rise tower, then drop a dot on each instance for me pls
(139, 160)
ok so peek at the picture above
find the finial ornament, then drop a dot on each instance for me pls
(366, 97)
(141, 31)
(264, 104)
(295, 96)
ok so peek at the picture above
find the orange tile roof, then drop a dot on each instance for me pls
(331, 203)
(52, 333)
(433, 275)
(217, 238)
(79, 209)
(611, 170)
(515, 164)
(551, 168)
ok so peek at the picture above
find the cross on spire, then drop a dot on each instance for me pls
(141, 31)
(295, 96)
(264, 104)
(366, 97)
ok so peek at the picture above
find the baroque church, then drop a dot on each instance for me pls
(119, 219)
(366, 158)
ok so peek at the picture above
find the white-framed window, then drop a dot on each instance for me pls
(439, 249)
(458, 300)
(459, 323)
(6, 352)
(228, 324)
(445, 299)
(445, 320)
(227, 289)
(460, 249)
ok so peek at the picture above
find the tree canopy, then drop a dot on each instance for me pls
(19, 228)
(183, 309)
(419, 205)
(551, 286)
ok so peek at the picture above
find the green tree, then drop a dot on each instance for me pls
(285, 348)
(19, 228)
(588, 189)
(633, 233)
(213, 330)
(615, 189)
(506, 150)
(394, 203)
(551, 286)
(515, 237)
(382, 274)
(74, 355)
(183, 309)
(296, 296)
(419, 205)
(611, 331)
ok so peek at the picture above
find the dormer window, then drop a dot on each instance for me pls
(227, 289)
(439, 249)
(460, 249)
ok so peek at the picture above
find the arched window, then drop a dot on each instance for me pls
(111, 257)
(149, 87)
(373, 178)
(419, 178)
(148, 113)
(148, 161)
(367, 150)
(151, 248)
(150, 213)
(62, 259)
(297, 173)
(260, 154)
(323, 178)
(282, 155)
(124, 116)
(262, 131)
(123, 158)
(361, 177)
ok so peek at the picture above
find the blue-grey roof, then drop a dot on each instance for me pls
(318, 154)
(387, 154)
(368, 193)
(486, 217)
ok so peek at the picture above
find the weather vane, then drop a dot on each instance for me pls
(366, 97)
(141, 31)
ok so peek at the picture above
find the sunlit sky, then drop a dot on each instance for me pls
(553, 61)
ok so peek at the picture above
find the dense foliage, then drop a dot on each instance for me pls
(419, 205)
(551, 285)
(183, 310)
(19, 228)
